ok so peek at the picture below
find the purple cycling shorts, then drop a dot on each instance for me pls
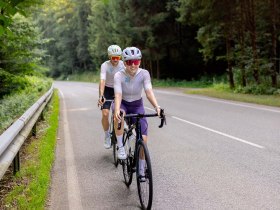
(136, 107)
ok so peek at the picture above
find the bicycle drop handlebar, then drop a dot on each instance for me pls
(162, 117)
(102, 100)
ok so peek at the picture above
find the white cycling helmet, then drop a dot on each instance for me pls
(131, 53)
(114, 50)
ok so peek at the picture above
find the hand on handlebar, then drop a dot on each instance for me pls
(119, 116)
(101, 101)
(158, 110)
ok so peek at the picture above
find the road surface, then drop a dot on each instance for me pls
(213, 154)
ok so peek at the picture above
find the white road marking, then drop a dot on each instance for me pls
(214, 131)
(220, 101)
(73, 191)
(220, 133)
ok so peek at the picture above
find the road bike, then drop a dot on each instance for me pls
(135, 151)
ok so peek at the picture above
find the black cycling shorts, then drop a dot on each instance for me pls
(109, 94)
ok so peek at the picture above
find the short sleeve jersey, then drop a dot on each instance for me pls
(131, 87)
(108, 71)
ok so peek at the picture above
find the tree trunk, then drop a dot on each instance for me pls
(274, 43)
(251, 23)
(151, 68)
(242, 44)
(230, 73)
(158, 70)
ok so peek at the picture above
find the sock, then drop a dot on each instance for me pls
(119, 139)
(142, 166)
(107, 133)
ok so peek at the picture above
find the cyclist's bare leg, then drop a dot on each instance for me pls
(145, 139)
(142, 161)
(119, 132)
(105, 119)
(119, 136)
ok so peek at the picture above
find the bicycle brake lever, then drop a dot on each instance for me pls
(162, 117)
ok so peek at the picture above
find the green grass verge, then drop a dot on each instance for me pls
(270, 100)
(34, 176)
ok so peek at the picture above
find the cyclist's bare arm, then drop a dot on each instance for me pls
(101, 92)
(118, 98)
(151, 97)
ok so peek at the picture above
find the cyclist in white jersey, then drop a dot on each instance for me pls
(106, 87)
(128, 86)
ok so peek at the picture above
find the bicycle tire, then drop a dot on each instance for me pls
(145, 188)
(114, 142)
(114, 145)
(128, 162)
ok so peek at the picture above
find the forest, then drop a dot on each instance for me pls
(180, 39)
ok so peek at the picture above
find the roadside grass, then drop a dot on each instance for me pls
(181, 83)
(30, 185)
(269, 100)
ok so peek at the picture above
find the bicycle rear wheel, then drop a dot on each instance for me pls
(144, 183)
(128, 162)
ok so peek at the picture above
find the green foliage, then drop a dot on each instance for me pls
(64, 25)
(191, 37)
(10, 83)
(241, 32)
(13, 106)
(20, 55)
(20, 50)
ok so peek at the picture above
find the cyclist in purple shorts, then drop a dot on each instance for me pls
(128, 86)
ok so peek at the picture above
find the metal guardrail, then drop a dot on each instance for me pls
(13, 138)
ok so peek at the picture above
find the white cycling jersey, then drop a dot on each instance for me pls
(108, 71)
(131, 87)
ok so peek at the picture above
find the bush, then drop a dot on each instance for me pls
(14, 105)
(10, 83)
(257, 90)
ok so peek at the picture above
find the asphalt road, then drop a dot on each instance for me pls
(213, 154)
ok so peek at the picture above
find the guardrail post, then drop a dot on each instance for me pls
(34, 130)
(16, 163)
(42, 117)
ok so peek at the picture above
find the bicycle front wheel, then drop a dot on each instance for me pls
(144, 176)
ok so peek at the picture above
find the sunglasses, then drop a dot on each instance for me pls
(115, 58)
(135, 62)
